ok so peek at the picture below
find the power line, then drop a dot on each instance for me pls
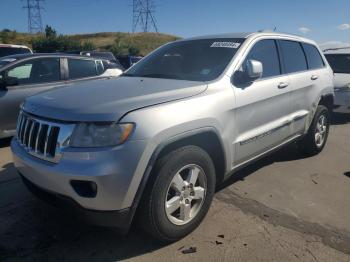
(34, 15)
(143, 15)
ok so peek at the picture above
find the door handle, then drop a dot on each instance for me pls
(282, 85)
(314, 77)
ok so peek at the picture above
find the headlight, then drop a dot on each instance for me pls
(100, 134)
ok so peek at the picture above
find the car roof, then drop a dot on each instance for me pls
(24, 56)
(14, 46)
(245, 35)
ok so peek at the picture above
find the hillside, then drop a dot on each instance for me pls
(118, 42)
(145, 42)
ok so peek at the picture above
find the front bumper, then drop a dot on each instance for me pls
(113, 170)
(120, 219)
(342, 101)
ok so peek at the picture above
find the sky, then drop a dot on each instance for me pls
(321, 20)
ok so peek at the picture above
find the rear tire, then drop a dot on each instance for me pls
(179, 194)
(316, 138)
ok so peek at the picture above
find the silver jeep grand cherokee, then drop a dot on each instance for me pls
(157, 141)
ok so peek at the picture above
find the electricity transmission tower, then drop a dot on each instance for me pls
(34, 15)
(143, 15)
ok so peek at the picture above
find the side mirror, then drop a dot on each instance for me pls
(253, 69)
(11, 81)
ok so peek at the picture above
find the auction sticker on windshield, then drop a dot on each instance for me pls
(226, 44)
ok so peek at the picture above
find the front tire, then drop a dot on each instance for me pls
(179, 194)
(316, 138)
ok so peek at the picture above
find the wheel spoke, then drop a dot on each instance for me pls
(178, 183)
(193, 175)
(319, 127)
(198, 193)
(322, 121)
(317, 137)
(185, 195)
(172, 205)
(185, 212)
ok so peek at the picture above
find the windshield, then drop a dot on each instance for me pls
(5, 51)
(340, 63)
(194, 60)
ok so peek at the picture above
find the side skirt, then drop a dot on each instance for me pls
(262, 155)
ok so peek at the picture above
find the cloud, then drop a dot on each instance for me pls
(344, 27)
(304, 30)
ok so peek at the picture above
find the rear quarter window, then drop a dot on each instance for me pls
(81, 68)
(314, 59)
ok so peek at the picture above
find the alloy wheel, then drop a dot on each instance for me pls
(185, 194)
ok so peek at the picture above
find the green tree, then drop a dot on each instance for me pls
(50, 32)
(88, 46)
(134, 50)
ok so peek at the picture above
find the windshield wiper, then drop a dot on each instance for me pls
(161, 76)
(126, 74)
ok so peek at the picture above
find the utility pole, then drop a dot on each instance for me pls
(34, 15)
(143, 15)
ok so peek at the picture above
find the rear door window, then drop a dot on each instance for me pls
(293, 56)
(313, 56)
(265, 51)
(81, 68)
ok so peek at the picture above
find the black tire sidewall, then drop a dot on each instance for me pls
(166, 170)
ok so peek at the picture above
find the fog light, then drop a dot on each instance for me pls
(84, 188)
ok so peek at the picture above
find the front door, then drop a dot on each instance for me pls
(263, 106)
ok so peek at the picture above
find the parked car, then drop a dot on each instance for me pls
(27, 74)
(158, 139)
(128, 60)
(6, 50)
(339, 60)
(101, 54)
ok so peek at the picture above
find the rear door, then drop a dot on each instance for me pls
(30, 77)
(263, 106)
(305, 68)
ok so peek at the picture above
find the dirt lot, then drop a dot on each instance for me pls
(282, 208)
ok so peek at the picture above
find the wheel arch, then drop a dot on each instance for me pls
(209, 140)
(327, 101)
(206, 138)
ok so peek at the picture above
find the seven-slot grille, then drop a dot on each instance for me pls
(38, 137)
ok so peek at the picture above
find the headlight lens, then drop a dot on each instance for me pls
(100, 134)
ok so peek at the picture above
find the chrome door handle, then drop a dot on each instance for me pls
(282, 85)
(314, 77)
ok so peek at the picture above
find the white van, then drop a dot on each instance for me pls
(339, 60)
(6, 50)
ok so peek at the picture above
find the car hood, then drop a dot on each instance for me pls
(108, 99)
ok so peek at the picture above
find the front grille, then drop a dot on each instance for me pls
(42, 138)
